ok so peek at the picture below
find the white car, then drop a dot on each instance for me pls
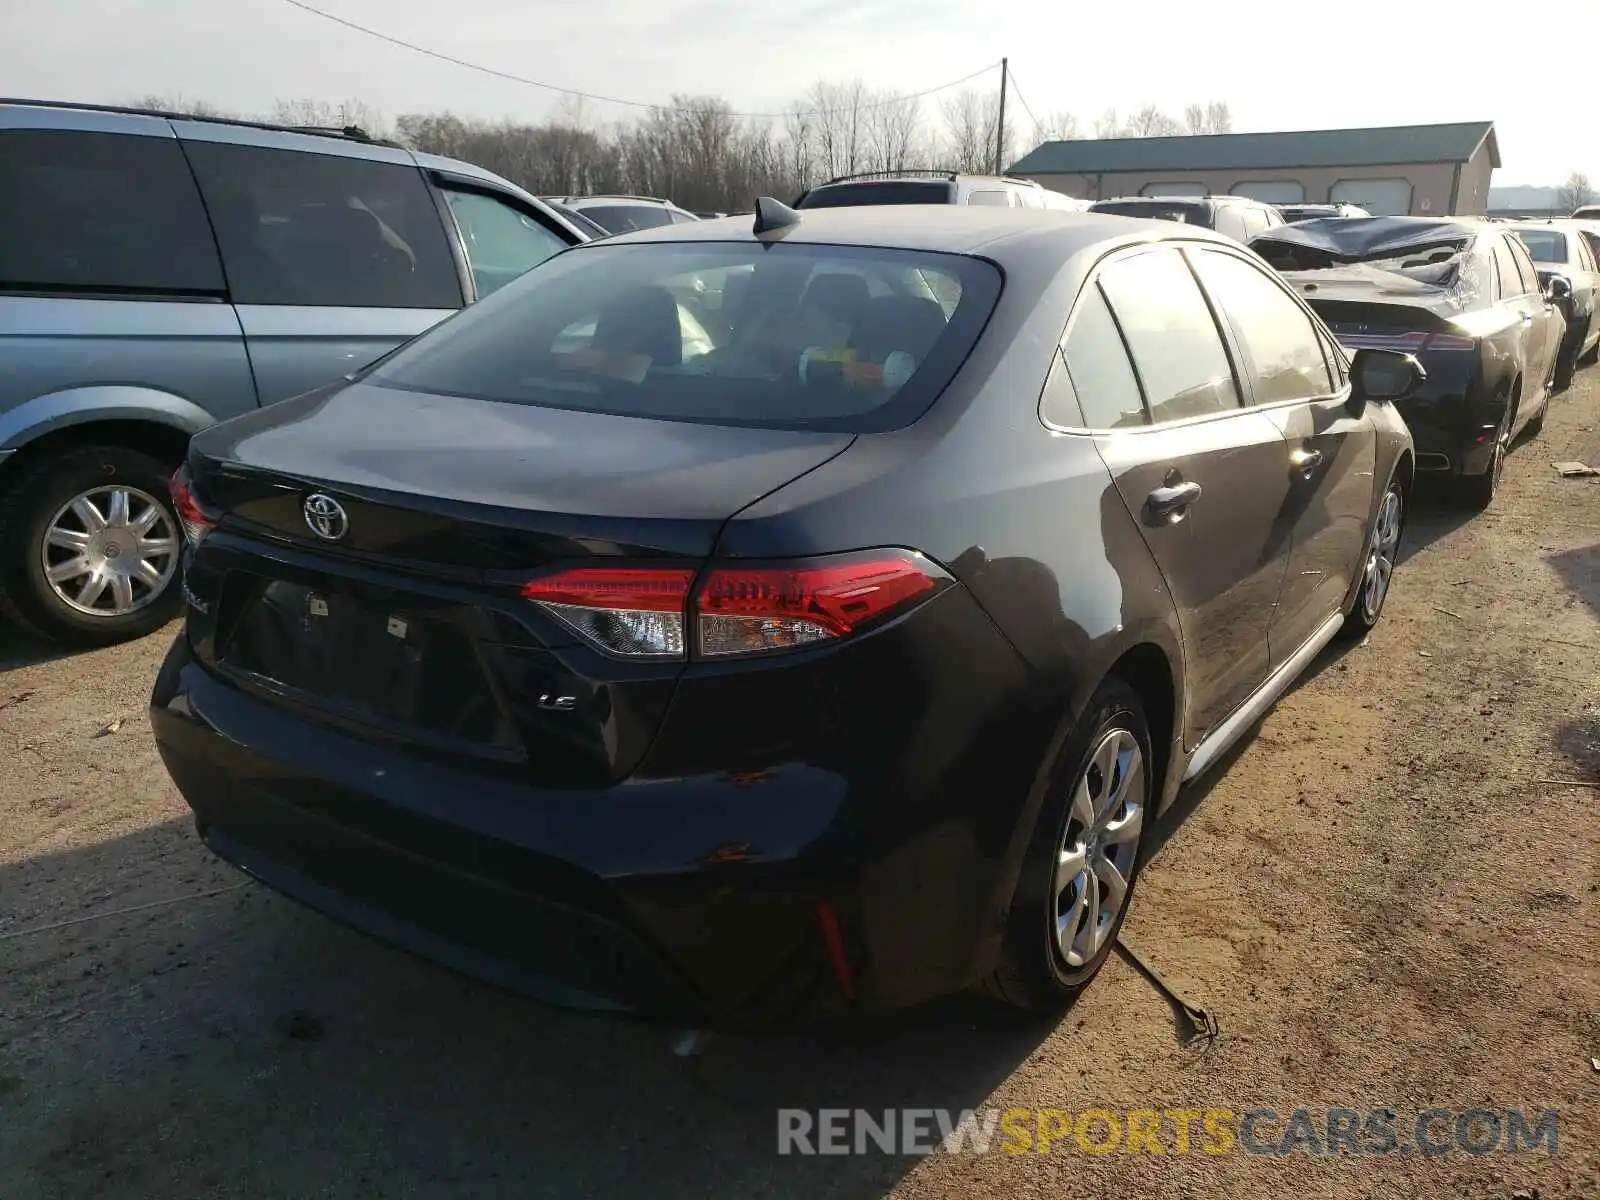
(936, 187)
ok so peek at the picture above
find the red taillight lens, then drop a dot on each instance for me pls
(748, 610)
(636, 612)
(195, 520)
(1448, 341)
(644, 612)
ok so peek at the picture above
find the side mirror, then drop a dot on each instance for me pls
(1383, 375)
(1559, 288)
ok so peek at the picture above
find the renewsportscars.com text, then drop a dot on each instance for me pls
(1430, 1132)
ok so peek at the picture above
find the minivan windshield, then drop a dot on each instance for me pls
(779, 335)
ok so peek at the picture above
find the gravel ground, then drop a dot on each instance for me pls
(1381, 898)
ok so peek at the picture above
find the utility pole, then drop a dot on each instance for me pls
(1000, 126)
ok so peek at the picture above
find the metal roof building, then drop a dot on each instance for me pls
(1400, 170)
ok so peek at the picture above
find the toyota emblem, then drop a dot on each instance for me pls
(325, 517)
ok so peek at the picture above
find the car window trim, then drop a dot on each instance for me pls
(442, 182)
(1092, 279)
(1273, 278)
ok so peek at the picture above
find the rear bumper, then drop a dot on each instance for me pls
(687, 895)
(1452, 424)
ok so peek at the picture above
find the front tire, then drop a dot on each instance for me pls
(89, 546)
(1081, 868)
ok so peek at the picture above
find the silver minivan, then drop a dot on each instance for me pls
(175, 272)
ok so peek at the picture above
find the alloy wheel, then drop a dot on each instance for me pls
(1099, 848)
(1381, 555)
(110, 551)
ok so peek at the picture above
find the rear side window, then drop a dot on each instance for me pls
(787, 336)
(1279, 339)
(993, 197)
(101, 211)
(1155, 210)
(1530, 273)
(848, 195)
(1097, 361)
(1176, 347)
(1505, 270)
(321, 229)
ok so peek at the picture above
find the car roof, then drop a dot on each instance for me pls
(996, 233)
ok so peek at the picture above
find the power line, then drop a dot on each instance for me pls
(582, 95)
(1021, 99)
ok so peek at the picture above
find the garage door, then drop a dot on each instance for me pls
(1272, 191)
(1380, 197)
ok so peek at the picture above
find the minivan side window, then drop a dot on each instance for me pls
(101, 212)
(994, 197)
(322, 229)
(1176, 347)
(1278, 338)
(1097, 362)
(501, 242)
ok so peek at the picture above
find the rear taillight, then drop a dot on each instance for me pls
(195, 520)
(1406, 343)
(737, 610)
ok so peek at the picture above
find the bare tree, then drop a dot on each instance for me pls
(1207, 118)
(1108, 125)
(1057, 127)
(894, 129)
(1575, 193)
(322, 114)
(1150, 121)
(839, 118)
(178, 103)
(971, 123)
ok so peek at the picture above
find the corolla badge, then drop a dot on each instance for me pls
(325, 517)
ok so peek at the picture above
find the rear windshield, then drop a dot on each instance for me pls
(1546, 245)
(1154, 210)
(848, 195)
(623, 218)
(734, 333)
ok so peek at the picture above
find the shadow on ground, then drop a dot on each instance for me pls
(241, 1044)
(19, 648)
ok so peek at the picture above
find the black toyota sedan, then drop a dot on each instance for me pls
(746, 622)
(1464, 297)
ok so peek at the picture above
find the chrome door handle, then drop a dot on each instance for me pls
(1306, 461)
(1171, 501)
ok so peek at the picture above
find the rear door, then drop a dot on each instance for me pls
(108, 274)
(1202, 475)
(1331, 453)
(335, 252)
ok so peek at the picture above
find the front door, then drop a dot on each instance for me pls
(1297, 380)
(1202, 475)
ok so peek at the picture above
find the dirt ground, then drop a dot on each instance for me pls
(1382, 898)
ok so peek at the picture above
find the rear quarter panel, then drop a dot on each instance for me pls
(70, 360)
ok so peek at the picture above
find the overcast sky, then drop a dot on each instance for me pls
(1299, 67)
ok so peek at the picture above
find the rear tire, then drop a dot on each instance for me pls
(1080, 871)
(1478, 491)
(89, 546)
(1377, 569)
(1591, 357)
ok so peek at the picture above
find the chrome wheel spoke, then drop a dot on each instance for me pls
(1090, 937)
(145, 521)
(1083, 804)
(148, 574)
(1069, 925)
(122, 592)
(67, 539)
(72, 568)
(1123, 830)
(86, 512)
(92, 590)
(117, 508)
(157, 547)
(1072, 864)
(1114, 882)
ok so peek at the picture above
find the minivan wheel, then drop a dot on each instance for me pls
(89, 545)
(1079, 874)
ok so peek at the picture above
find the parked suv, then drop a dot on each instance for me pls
(624, 214)
(1238, 217)
(935, 187)
(175, 272)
